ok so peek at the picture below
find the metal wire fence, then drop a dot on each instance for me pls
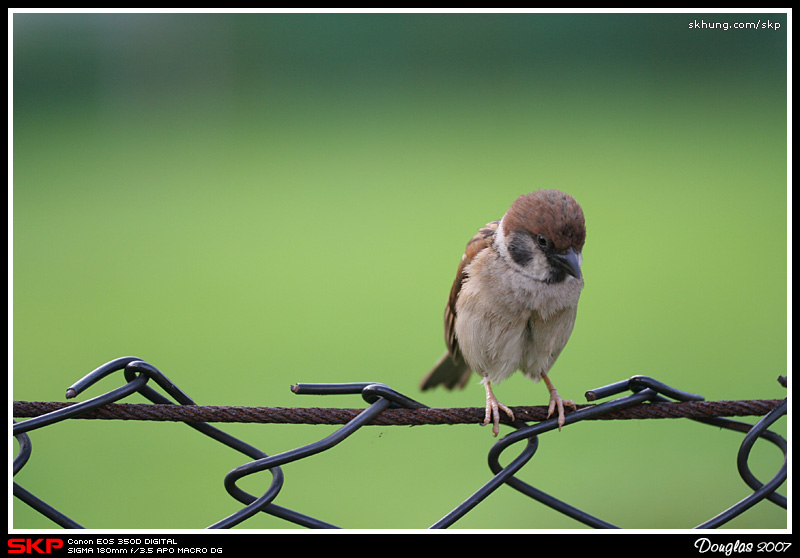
(639, 397)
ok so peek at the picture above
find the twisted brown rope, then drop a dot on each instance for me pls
(390, 417)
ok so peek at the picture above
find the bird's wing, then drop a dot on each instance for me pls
(481, 241)
(452, 370)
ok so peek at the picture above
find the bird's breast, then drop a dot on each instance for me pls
(506, 322)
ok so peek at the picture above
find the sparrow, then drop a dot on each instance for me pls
(514, 300)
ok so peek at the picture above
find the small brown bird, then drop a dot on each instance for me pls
(514, 300)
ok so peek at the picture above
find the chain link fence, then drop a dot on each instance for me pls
(638, 397)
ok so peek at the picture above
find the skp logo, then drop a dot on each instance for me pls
(33, 546)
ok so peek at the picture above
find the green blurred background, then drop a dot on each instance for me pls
(247, 201)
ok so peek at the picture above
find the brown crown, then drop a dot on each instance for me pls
(552, 213)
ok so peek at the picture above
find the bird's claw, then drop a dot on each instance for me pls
(557, 402)
(493, 407)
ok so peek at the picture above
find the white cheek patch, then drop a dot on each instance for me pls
(538, 268)
(500, 242)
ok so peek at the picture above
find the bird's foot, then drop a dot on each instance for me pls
(556, 402)
(493, 407)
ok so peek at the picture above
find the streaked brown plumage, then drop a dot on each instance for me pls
(514, 299)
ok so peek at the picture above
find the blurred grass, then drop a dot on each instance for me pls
(309, 231)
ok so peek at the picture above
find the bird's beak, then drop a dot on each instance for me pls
(569, 261)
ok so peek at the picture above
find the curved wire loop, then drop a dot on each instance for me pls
(20, 430)
(137, 373)
(133, 385)
(379, 396)
(643, 389)
(761, 491)
(25, 496)
(530, 433)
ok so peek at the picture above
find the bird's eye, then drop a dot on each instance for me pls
(541, 240)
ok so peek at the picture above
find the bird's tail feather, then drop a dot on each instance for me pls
(449, 371)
